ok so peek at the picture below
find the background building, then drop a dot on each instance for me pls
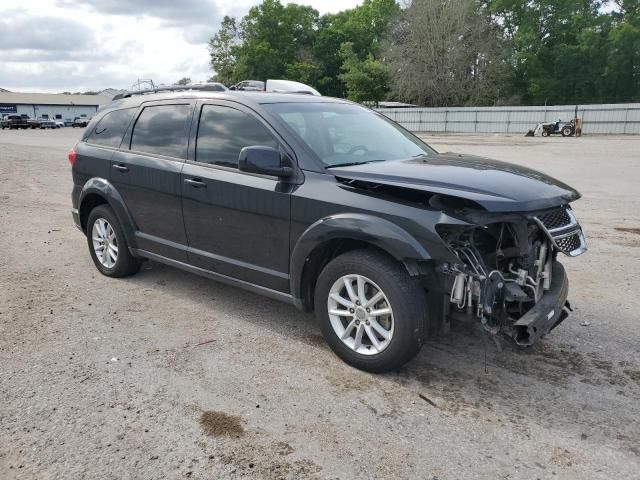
(56, 106)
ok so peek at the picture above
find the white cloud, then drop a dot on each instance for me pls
(78, 45)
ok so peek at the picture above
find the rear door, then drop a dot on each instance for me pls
(146, 172)
(100, 144)
(237, 223)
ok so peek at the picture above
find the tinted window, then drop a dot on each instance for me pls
(161, 130)
(224, 131)
(111, 128)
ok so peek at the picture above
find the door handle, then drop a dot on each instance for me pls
(195, 182)
(122, 168)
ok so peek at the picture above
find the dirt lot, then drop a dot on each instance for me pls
(168, 375)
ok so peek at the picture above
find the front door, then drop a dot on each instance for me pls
(146, 172)
(237, 223)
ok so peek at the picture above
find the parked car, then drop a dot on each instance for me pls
(289, 86)
(47, 123)
(35, 123)
(331, 207)
(211, 86)
(80, 122)
(275, 86)
(249, 85)
(16, 122)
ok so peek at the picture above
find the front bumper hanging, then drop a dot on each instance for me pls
(547, 314)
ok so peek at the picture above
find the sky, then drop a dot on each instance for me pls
(80, 45)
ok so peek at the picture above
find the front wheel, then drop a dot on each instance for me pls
(370, 311)
(108, 245)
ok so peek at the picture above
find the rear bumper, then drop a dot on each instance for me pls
(547, 314)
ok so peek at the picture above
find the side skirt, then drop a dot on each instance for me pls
(267, 292)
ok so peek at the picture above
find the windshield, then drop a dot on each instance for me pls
(343, 134)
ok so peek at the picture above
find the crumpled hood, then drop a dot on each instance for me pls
(496, 186)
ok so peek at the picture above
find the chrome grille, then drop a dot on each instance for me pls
(563, 230)
(570, 243)
(555, 219)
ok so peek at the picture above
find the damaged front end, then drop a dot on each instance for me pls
(507, 275)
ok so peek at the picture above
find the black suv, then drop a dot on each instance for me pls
(331, 207)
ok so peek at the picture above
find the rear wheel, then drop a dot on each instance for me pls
(108, 245)
(370, 311)
(567, 131)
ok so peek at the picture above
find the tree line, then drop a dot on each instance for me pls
(442, 52)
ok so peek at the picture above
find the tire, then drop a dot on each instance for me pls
(545, 133)
(403, 327)
(567, 131)
(125, 264)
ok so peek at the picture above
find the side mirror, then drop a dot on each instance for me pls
(265, 161)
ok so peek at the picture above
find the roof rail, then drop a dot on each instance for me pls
(211, 87)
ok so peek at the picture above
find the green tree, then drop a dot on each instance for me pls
(365, 80)
(183, 81)
(365, 26)
(571, 51)
(442, 52)
(274, 36)
(622, 72)
(292, 41)
(222, 50)
(304, 72)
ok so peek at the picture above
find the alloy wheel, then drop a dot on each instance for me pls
(360, 314)
(105, 243)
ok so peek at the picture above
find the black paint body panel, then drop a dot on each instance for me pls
(150, 187)
(496, 186)
(237, 225)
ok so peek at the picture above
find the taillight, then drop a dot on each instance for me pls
(72, 155)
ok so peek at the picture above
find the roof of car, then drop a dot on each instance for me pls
(245, 97)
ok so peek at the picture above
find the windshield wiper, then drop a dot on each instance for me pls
(351, 164)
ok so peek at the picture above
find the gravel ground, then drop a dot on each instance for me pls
(168, 375)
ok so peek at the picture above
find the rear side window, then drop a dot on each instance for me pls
(111, 128)
(161, 130)
(224, 131)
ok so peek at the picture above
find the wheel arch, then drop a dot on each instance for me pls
(331, 236)
(99, 191)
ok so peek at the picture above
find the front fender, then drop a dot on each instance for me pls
(103, 188)
(355, 226)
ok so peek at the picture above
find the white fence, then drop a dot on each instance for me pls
(598, 119)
